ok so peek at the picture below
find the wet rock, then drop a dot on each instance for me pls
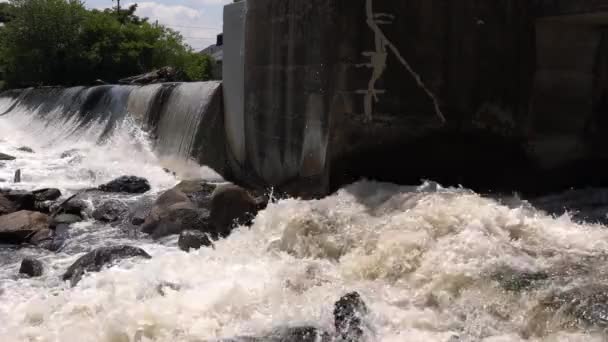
(42, 238)
(17, 177)
(198, 191)
(231, 206)
(44, 207)
(111, 211)
(349, 312)
(580, 308)
(73, 206)
(94, 261)
(31, 267)
(65, 219)
(517, 281)
(127, 184)
(44, 195)
(177, 218)
(4, 156)
(164, 286)
(25, 149)
(6, 206)
(22, 200)
(20, 227)
(60, 236)
(193, 239)
(69, 153)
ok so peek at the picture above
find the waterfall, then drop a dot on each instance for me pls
(172, 114)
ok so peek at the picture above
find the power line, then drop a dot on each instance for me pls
(195, 27)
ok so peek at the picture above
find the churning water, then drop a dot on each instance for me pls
(433, 264)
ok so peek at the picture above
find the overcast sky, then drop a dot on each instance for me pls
(199, 21)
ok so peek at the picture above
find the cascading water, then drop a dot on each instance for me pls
(433, 264)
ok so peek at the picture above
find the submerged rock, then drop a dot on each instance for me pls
(25, 149)
(111, 211)
(69, 153)
(21, 226)
(44, 195)
(127, 184)
(231, 206)
(349, 312)
(580, 308)
(65, 219)
(4, 156)
(31, 267)
(193, 239)
(94, 261)
(516, 281)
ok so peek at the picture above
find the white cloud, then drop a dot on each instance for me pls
(198, 27)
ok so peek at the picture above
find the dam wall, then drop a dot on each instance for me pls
(493, 95)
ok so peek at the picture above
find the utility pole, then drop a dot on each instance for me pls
(117, 6)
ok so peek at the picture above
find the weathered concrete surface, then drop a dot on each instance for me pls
(549, 8)
(494, 95)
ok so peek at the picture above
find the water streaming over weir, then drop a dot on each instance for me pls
(433, 264)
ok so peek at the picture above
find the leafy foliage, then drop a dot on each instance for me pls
(60, 42)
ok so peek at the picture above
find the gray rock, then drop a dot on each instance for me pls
(31, 267)
(4, 156)
(20, 227)
(66, 219)
(17, 177)
(73, 206)
(42, 238)
(6, 206)
(193, 239)
(127, 184)
(581, 308)
(231, 206)
(44, 195)
(177, 218)
(69, 153)
(94, 261)
(198, 191)
(111, 211)
(25, 149)
(22, 200)
(349, 312)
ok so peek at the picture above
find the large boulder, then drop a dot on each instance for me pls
(111, 211)
(6, 206)
(193, 239)
(31, 267)
(44, 195)
(4, 156)
(23, 200)
(94, 261)
(231, 206)
(127, 184)
(21, 226)
(198, 191)
(175, 219)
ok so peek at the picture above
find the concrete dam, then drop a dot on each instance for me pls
(494, 95)
(506, 95)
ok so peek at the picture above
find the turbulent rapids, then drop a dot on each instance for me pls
(431, 263)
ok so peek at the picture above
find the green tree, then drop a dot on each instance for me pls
(59, 42)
